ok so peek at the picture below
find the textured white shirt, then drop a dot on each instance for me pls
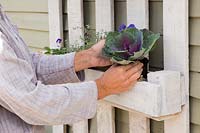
(30, 96)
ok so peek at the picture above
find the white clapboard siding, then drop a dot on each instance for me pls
(175, 24)
(39, 6)
(75, 21)
(75, 27)
(40, 39)
(138, 14)
(104, 23)
(55, 21)
(30, 21)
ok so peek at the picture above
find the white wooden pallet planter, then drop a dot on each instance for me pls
(160, 96)
(166, 94)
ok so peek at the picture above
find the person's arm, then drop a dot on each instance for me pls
(56, 69)
(40, 104)
(68, 68)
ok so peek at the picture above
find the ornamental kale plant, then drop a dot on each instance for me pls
(129, 44)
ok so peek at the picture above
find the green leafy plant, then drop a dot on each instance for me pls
(128, 45)
(89, 39)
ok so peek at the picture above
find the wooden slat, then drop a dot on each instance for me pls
(75, 30)
(25, 5)
(147, 97)
(105, 22)
(194, 8)
(80, 127)
(105, 118)
(55, 32)
(138, 123)
(35, 39)
(195, 84)
(32, 21)
(104, 15)
(195, 128)
(75, 21)
(58, 129)
(195, 58)
(137, 13)
(55, 21)
(194, 31)
(176, 55)
(194, 110)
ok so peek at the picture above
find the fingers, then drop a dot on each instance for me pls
(134, 69)
(104, 62)
(98, 46)
(127, 67)
(135, 77)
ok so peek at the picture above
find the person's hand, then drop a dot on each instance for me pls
(96, 57)
(91, 57)
(118, 79)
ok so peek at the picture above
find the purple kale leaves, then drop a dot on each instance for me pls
(129, 44)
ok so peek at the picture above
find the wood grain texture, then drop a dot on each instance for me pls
(75, 21)
(80, 127)
(156, 98)
(105, 118)
(55, 21)
(176, 50)
(104, 15)
(138, 14)
(138, 123)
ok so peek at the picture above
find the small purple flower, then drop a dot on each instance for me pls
(131, 26)
(122, 27)
(59, 40)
